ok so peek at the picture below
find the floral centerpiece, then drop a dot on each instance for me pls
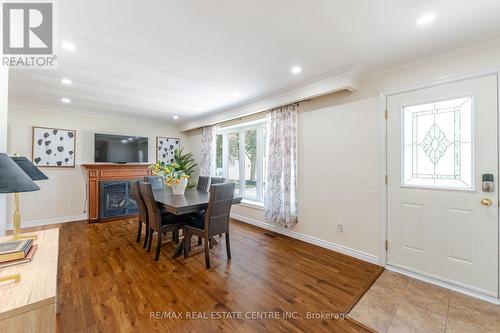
(176, 178)
(176, 174)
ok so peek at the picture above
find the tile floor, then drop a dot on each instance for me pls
(397, 303)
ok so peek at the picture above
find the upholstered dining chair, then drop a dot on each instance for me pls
(142, 210)
(156, 182)
(158, 222)
(214, 222)
(203, 183)
(217, 180)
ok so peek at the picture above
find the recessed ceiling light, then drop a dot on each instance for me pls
(68, 46)
(66, 81)
(199, 108)
(124, 141)
(65, 100)
(130, 139)
(426, 19)
(175, 117)
(296, 70)
(236, 94)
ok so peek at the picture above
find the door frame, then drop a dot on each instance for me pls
(382, 172)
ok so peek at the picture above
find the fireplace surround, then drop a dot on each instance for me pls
(97, 173)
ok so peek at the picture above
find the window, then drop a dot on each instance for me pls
(240, 158)
(218, 162)
(233, 161)
(437, 144)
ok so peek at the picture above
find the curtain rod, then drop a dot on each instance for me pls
(276, 107)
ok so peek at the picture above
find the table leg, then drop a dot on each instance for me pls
(180, 248)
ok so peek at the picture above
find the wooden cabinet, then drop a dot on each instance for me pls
(97, 172)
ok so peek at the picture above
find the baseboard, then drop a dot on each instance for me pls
(444, 284)
(55, 220)
(311, 240)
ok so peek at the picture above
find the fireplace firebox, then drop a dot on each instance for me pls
(116, 199)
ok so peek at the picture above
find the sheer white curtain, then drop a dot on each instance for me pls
(208, 141)
(280, 199)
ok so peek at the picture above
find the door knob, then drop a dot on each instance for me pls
(486, 202)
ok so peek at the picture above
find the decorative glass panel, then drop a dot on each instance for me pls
(437, 144)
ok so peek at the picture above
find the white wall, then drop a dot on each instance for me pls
(338, 159)
(62, 197)
(4, 84)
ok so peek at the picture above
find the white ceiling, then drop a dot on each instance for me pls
(163, 58)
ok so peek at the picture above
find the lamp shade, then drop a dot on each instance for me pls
(31, 170)
(12, 178)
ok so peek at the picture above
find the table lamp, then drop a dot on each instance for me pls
(16, 176)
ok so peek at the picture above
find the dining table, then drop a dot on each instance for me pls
(192, 201)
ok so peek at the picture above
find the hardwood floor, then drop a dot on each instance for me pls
(108, 283)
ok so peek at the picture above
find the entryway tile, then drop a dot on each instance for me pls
(427, 296)
(468, 314)
(415, 319)
(398, 304)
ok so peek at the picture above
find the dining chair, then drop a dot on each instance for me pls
(158, 222)
(203, 183)
(214, 222)
(156, 182)
(142, 211)
(217, 180)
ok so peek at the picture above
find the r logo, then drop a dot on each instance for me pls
(27, 28)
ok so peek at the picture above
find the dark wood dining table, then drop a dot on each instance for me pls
(191, 202)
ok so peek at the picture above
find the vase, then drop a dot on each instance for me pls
(179, 188)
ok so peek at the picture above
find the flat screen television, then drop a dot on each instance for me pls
(120, 148)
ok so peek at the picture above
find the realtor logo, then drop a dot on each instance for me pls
(28, 29)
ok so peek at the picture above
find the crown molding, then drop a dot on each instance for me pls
(433, 58)
(345, 78)
(85, 113)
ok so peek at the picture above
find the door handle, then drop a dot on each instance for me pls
(486, 202)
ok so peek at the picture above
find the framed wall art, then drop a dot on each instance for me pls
(53, 147)
(165, 148)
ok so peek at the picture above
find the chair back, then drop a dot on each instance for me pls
(154, 214)
(203, 183)
(141, 206)
(219, 208)
(217, 180)
(156, 182)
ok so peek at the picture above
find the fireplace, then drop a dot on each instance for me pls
(116, 199)
(96, 173)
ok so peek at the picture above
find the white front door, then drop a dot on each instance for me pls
(441, 142)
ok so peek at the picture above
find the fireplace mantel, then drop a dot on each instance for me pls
(96, 172)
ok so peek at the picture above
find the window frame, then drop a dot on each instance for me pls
(259, 126)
